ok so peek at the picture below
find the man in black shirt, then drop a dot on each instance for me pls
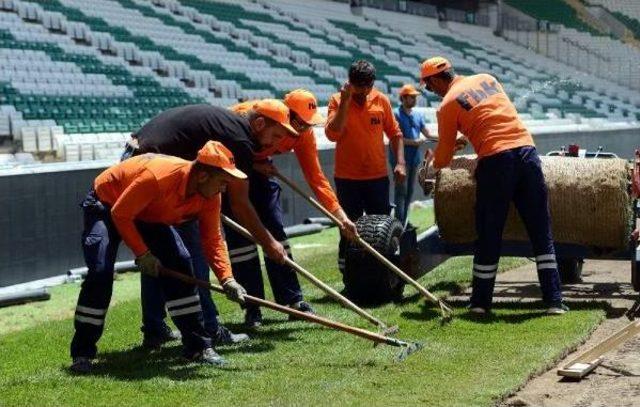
(181, 132)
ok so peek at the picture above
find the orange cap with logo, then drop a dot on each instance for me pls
(304, 104)
(409, 90)
(277, 111)
(215, 154)
(433, 66)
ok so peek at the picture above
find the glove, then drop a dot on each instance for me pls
(148, 264)
(428, 186)
(234, 291)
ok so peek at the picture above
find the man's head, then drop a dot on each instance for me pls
(362, 75)
(270, 122)
(436, 74)
(408, 96)
(303, 108)
(213, 169)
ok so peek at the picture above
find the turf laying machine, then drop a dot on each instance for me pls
(593, 199)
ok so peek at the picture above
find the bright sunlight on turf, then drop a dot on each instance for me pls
(465, 363)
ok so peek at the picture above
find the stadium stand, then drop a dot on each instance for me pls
(626, 11)
(77, 76)
(577, 43)
(554, 11)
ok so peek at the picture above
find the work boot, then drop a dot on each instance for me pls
(81, 365)
(478, 312)
(223, 336)
(206, 356)
(557, 309)
(301, 306)
(154, 340)
(253, 318)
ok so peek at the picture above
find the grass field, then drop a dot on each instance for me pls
(465, 363)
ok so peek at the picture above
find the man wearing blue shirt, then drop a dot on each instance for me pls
(412, 125)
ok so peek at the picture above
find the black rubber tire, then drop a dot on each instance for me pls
(570, 270)
(367, 281)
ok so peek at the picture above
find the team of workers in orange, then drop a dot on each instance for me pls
(189, 164)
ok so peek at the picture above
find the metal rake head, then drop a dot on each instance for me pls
(446, 312)
(407, 349)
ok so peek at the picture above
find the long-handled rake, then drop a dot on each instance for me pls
(384, 328)
(407, 347)
(445, 310)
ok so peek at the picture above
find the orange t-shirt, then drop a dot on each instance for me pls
(360, 152)
(479, 108)
(305, 148)
(151, 188)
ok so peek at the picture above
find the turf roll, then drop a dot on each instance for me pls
(589, 201)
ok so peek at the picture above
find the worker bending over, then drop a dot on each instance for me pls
(264, 193)
(139, 201)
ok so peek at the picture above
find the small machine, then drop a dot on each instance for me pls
(366, 281)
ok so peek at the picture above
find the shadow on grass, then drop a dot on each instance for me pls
(139, 364)
(527, 311)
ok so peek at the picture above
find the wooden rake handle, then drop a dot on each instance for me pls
(443, 306)
(315, 280)
(363, 333)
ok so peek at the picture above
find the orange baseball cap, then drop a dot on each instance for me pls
(277, 111)
(433, 66)
(304, 104)
(408, 89)
(215, 154)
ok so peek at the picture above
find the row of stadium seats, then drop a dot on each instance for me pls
(97, 66)
(554, 11)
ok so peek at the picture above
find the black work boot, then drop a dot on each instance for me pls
(81, 365)
(253, 318)
(154, 340)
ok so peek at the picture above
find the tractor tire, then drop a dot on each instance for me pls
(570, 270)
(367, 281)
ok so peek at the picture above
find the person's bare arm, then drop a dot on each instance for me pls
(427, 135)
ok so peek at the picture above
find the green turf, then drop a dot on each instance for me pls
(465, 363)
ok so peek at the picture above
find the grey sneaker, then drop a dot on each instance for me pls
(557, 309)
(81, 365)
(206, 356)
(225, 337)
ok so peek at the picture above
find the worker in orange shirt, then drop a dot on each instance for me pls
(264, 193)
(508, 170)
(358, 116)
(139, 201)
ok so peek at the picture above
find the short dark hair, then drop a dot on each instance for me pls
(447, 75)
(362, 73)
(209, 169)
